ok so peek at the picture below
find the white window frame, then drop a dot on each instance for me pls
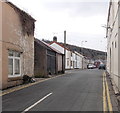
(14, 58)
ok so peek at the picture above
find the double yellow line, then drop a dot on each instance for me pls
(107, 106)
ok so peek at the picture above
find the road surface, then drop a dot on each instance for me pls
(78, 90)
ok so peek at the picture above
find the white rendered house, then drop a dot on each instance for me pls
(79, 60)
(60, 48)
(113, 46)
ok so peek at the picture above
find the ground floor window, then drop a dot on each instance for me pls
(71, 63)
(14, 63)
(67, 61)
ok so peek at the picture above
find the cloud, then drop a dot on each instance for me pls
(77, 8)
(81, 18)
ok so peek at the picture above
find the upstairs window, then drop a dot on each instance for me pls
(14, 63)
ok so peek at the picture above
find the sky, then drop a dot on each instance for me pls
(82, 20)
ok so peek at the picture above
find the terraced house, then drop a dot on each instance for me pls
(16, 44)
(47, 60)
(59, 47)
(113, 48)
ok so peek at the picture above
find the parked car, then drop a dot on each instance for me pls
(102, 66)
(91, 66)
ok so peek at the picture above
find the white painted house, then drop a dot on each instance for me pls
(113, 47)
(60, 48)
(79, 60)
(74, 60)
(85, 62)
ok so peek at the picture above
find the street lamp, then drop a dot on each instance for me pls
(84, 41)
(107, 28)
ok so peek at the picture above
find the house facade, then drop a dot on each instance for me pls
(79, 60)
(16, 45)
(68, 63)
(74, 60)
(85, 62)
(113, 47)
(47, 61)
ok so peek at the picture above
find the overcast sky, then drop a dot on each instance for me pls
(82, 19)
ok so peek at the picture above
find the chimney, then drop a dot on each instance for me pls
(55, 39)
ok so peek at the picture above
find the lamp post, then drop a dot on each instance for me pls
(64, 50)
(107, 28)
(84, 41)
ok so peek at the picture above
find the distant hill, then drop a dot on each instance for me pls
(90, 53)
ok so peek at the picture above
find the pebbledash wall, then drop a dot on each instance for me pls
(113, 47)
(16, 45)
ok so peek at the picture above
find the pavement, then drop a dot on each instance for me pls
(78, 90)
(113, 96)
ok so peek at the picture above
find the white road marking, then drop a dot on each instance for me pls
(37, 103)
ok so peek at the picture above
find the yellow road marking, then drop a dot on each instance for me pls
(25, 86)
(106, 96)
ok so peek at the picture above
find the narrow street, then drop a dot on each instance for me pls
(60, 55)
(78, 90)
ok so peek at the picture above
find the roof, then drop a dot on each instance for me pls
(78, 54)
(47, 46)
(60, 45)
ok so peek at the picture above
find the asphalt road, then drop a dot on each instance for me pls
(78, 90)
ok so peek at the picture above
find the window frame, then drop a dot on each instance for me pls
(14, 58)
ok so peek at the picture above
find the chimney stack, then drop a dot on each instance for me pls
(55, 39)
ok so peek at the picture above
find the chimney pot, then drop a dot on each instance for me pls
(55, 38)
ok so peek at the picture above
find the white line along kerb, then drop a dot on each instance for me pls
(37, 103)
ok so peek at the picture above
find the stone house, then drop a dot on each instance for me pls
(16, 45)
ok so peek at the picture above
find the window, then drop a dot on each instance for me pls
(115, 45)
(67, 62)
(71, 63)
(112, 44)
(14, 68)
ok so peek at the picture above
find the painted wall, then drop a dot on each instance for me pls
(79, 61)
(85, 63)
(13, 39)
(68, 54)
(113, 47)
(73, 60)
(60, 62)
(68, 59)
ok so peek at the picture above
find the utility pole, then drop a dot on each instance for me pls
(64, 49)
